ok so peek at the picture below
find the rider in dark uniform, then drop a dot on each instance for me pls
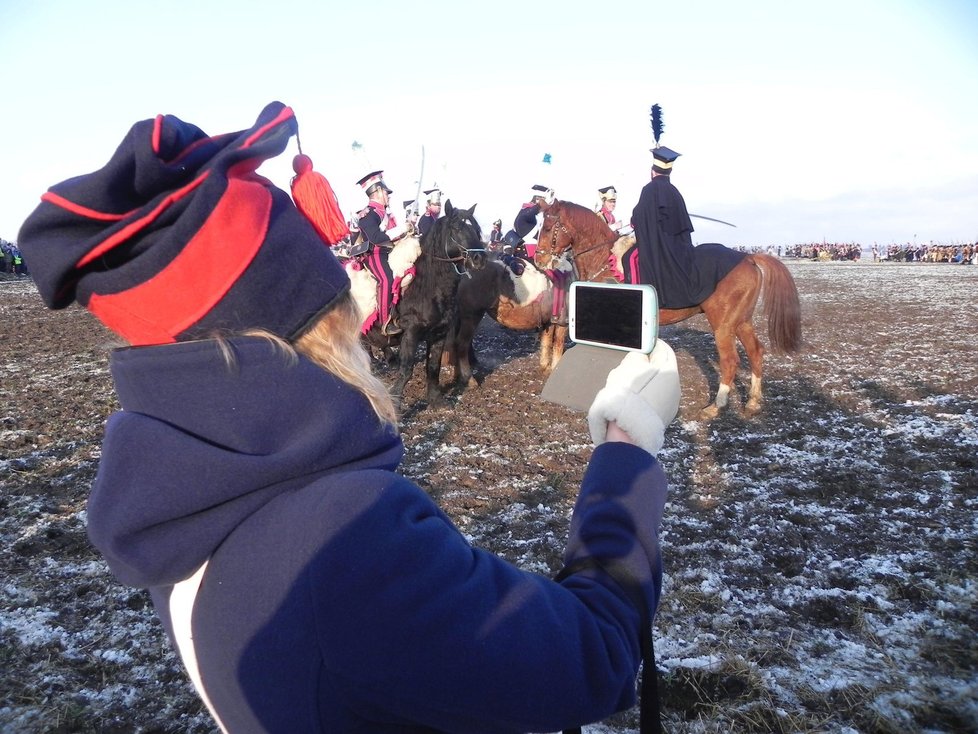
(496, 236)
(432, 212)
(526, 221)
(663, 232)
(664, 254)
(411, 217)
(380, 229)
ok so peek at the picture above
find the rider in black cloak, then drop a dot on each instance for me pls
(683, 275)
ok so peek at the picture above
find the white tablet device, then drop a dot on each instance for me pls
(614, 315)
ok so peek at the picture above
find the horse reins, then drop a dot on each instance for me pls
(558, 225)
(458, 258)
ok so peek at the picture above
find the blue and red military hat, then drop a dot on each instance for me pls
(178, 238)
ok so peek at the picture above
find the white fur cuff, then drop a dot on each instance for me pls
(634, 416)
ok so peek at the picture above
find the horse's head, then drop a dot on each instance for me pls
(571, 231)
(555, 238)
(456, 237)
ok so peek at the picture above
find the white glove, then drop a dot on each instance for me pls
(394, 232)
(642, 395)
(625, 229)
(550, 197)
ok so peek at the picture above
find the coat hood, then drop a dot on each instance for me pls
(203, 441)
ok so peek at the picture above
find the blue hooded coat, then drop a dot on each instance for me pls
(335, 595)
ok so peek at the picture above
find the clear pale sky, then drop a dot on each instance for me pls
(843, 121)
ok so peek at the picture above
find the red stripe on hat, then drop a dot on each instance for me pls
(80, 210)
(281, 117)
(284, 115)
(157, 133)
(191, 148)
(137, 225)
(157, 136)
(156, 311)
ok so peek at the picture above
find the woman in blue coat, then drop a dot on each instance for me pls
(250, 481)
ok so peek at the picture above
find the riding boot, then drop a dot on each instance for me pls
(391, 328)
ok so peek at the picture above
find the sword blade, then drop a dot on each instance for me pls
(711, 219)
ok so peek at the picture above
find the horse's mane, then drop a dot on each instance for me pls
(433, 275)
(442, 227)
(588, 225)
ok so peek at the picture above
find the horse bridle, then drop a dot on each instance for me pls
(569, 251)
(458, 261)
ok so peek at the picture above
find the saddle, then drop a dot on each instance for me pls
(360, 246)
(531, 283)
(365, 288)
(618, 250)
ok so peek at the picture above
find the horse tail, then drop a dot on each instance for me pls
(782, 307)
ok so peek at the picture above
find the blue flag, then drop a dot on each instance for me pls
(546, 158)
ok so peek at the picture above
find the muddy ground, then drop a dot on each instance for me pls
(822, 569)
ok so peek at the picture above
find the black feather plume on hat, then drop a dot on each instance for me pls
(657, 126)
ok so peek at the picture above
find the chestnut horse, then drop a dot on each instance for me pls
(573, 232)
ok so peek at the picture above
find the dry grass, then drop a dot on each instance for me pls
(821, 558)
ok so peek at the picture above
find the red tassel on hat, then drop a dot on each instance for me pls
(314, 197)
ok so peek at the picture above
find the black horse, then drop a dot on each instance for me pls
(451, 248)
(521, 303)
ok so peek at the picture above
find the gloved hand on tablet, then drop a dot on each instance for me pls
(641, 395)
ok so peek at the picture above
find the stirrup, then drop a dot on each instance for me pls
(391, 328)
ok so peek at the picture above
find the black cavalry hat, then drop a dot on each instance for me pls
(663, 158)
(372, 181)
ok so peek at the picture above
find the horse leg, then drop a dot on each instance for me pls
(730, 309)
(755, 355)
(463, 351)
(557, 346)
(407, 359)
(435, 348)
(727, 351)
(547, 347)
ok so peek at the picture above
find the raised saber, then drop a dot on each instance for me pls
(417, 195)
(711, 219)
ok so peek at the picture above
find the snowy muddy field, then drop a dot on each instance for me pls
(821, 558)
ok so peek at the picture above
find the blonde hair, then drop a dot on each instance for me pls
(333, 343)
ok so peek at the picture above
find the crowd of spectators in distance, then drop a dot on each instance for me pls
(931, 253)
(811, 251)
(11, 261)
(908, 252)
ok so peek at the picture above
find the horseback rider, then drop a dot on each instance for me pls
(606, 209)
(411, 216)
(380, 230)
(432, 211)
(663, 242)
(527, 224)
(496, 235)
(663, 254)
